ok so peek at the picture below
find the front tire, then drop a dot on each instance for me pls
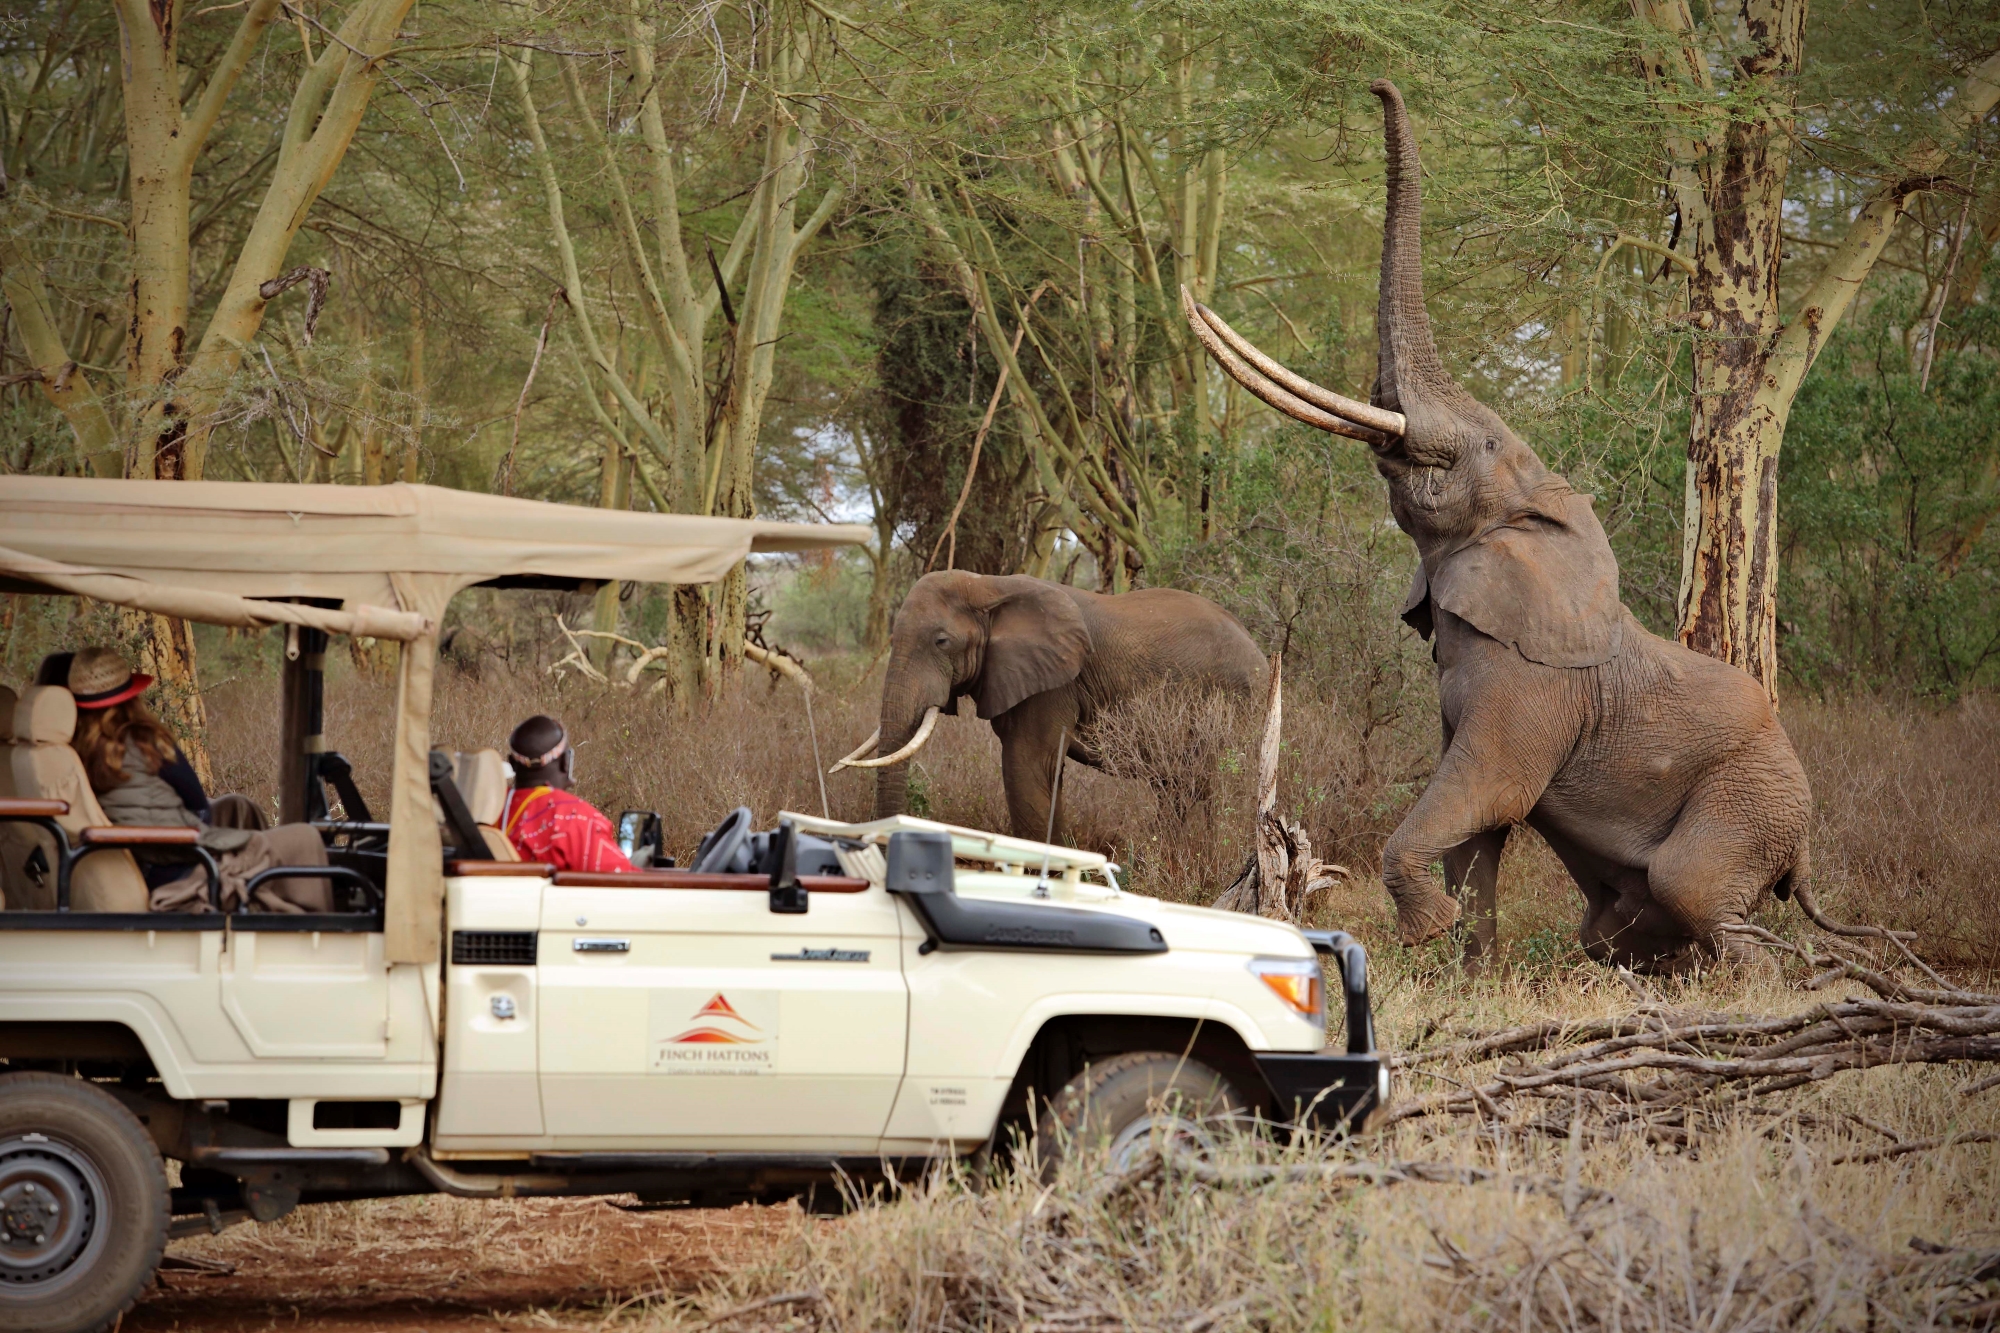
(1134, 1102)
(83, 1205)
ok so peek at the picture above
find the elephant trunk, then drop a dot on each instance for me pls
(892, 790)
(1408, 372)
(907, 708)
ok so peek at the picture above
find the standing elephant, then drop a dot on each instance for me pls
(1660, 776)
(1040, 660)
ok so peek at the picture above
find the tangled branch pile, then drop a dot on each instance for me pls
(1662, 1071)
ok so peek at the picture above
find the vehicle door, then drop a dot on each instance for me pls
(680, 1012)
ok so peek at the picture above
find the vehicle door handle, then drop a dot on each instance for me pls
(601, 945)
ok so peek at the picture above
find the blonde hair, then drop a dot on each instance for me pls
(102, 734)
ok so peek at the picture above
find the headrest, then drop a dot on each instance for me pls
(7, 701)
(481, 777)
(45, 715)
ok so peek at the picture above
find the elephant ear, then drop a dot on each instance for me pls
(1416, 610)
(1036, 641)
(1545, 582)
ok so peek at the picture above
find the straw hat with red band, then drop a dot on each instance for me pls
(99, 678)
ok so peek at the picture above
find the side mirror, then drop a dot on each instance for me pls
(788, 896)
(639, 837)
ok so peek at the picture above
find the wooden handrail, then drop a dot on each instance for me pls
(138, 835)
(498, 869)
(31, 807)
(688, 879)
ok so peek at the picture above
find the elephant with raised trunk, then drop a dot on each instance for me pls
(1040, 661)
(1660, 776)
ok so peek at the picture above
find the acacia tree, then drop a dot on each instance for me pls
(1730, 82)
(159, 426)
(1068, 223)
(702, 426)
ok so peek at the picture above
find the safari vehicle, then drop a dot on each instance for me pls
(800, 1007)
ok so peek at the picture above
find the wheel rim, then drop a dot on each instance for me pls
(52, 1201)
(1167, 1132)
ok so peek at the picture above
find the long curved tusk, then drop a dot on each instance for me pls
(1362, 414)
(874, 739)
(916, 744)
(1283, 399)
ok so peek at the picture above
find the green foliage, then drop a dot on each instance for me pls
(1892, 565)
(819, 607)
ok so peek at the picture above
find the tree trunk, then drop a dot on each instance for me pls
(166, 653)
(611, 494)
(67, 388)
(419, 387)
(161, 168)
(1729, 540)
(1727, 158)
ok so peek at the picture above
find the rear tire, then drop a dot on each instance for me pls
(1134, 1102)
(83, 1205)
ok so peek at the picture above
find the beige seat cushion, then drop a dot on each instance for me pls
(44, 766)
(497, 845)
(481, 778)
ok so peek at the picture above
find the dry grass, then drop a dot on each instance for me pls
(1907, 827)
(1905, 831)
(1756, 1225)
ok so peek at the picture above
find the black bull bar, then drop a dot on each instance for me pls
(1333, 1090)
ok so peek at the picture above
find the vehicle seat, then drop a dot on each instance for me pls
(44, 766)
(481, 778)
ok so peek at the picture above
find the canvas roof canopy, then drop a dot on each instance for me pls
(347, 543)
(381, 561)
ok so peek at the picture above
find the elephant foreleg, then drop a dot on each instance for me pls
(1495, 767)
(1472, 875)
(1031, 740)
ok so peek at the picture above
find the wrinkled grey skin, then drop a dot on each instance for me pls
(1040, 660)
(1660, 776)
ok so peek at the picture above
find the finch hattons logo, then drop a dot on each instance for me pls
(716, 1035)
(707, 1034)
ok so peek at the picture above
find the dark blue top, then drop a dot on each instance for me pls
(179, 774)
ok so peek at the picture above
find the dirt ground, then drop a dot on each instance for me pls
(445, 1265)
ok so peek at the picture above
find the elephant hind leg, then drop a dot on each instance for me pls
(1728, 846)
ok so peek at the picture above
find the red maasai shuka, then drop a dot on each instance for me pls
(560, 827)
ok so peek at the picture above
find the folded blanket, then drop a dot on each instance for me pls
(285, 845)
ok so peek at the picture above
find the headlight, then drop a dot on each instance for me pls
(1296, 981)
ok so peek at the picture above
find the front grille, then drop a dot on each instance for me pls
(472, 947)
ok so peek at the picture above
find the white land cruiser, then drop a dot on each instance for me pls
(821, 1001)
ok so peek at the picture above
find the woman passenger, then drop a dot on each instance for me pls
(141, 777)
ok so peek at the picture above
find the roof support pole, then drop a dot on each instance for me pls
(301, 726)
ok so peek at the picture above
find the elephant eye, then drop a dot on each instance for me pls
(942, 640)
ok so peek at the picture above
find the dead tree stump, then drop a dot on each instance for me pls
(1281, 873)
